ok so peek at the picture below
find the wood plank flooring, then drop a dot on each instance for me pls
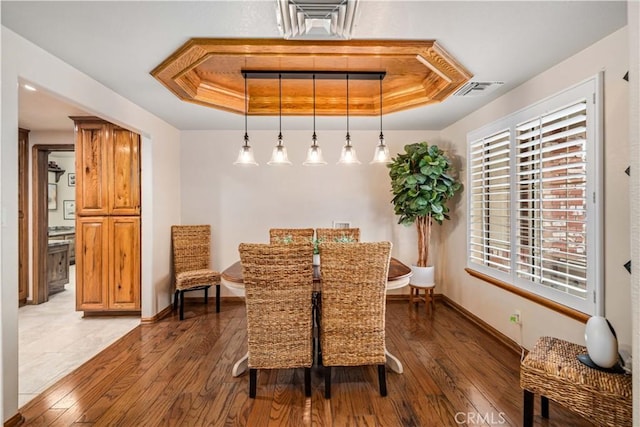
(178, 373)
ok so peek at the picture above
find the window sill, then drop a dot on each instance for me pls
(570, 312)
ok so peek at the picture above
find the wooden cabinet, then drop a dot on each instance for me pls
(92, 263)
(108, 263)
(107, 217)
(107, 169)
(124, 263)
(124, 179)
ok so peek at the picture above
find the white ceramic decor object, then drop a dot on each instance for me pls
(423, 277)
(602, 344)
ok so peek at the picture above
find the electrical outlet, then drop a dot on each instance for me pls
(516, 317)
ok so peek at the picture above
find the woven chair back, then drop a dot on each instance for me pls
(290, 235)
(191, 247)
(278, 282)
(338, 234)
(354, 278)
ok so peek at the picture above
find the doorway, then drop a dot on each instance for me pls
(43, 199)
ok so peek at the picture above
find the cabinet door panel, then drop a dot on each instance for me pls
(124, 191)
(91, 169)
(92, 268)
(124, 258)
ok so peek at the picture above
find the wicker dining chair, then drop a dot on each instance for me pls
(278, 282)
(290, 235)
(338, 234)
(191, 263)
(352, 323)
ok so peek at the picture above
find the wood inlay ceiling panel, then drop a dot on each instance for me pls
(209, 72)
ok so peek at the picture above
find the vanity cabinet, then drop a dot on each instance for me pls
(57, 265)
(107, 217)
(68, 234)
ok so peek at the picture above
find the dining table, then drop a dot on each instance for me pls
(398, 276)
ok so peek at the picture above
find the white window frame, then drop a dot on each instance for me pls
(591, 90)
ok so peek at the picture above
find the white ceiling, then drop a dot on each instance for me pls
(119, 43)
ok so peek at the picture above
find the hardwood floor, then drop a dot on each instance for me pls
(178, 373)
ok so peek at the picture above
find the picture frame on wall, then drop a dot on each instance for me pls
(69, 209)
(52, 196)
(341, 224)
(71, 179)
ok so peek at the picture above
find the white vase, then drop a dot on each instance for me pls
(423, 276)
(316, 259)
(602, 344)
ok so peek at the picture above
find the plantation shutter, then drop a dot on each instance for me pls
(490, 210)
(551, 199)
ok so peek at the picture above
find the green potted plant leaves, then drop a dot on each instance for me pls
(421, 186)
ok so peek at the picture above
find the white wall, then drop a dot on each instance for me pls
(241, 203)
(494, 305)
(160, 180)
(633, 9)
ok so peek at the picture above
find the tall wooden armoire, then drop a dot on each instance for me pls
(107, 217)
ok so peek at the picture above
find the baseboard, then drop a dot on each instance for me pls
(169, 309)
(502, 338)
(16, 420)
(110, 313)
(158, 316)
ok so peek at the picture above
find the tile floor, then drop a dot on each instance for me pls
(54, 340)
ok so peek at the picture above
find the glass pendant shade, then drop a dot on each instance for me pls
(245, 157)
(348, 155)
(279, 155)
(314, 154)
(381, 154)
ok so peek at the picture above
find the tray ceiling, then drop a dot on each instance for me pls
(210, 72)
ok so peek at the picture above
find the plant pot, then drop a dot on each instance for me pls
(423, 276)
(316, 259)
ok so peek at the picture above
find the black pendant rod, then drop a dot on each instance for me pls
(347, 108)
(306, 74)
(246, 108)
(381, 136)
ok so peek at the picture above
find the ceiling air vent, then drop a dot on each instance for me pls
(317, 19)
(477, 88)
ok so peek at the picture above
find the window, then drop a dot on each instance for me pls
(533, 199)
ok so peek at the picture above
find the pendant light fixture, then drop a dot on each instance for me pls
(348, 155)
(314, 155)
(245, 157)
(381, 154)
(279, 155)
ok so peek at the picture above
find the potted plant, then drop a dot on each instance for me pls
(421, 186)
(316, 250)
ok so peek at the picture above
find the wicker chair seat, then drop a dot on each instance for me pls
(191, 247)
(552, 370)
(195, 278)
